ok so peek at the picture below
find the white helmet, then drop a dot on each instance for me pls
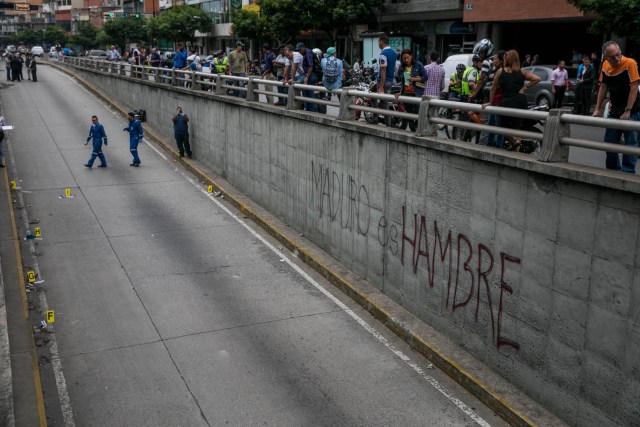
(317, 51)
(484, 48)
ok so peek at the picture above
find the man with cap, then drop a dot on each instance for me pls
(135, 137)
(308, 76)
(267, 69)
(331, 70)
(237, 66)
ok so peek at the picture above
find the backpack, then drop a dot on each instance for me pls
(331, 70)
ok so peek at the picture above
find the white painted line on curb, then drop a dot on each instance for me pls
(461, 405)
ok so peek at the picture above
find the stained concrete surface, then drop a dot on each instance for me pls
(154, 327)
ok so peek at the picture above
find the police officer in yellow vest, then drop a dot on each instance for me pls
(470, 76)
(220, 62)
(455, 82)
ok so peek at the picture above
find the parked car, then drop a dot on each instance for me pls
(541, 95)
(37, 51)
(96, 54)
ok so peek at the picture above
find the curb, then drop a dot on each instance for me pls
(466, 371)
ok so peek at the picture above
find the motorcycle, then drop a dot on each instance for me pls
(370, 117)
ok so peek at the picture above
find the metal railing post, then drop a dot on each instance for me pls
(554, 129)
(292, 103)
(143, 73)
(251, 94)
(344, 113)
(195, 81)
(219, 83)
(425, 112)
(174, 81)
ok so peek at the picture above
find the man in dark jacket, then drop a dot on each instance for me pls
(16, 65)
(586, 78)
(181, 132)
(34, 69)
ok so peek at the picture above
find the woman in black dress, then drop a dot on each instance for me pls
(513, 81)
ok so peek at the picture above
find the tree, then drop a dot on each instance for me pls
(335, 16)
(286, 18)
(55, 34)
(613, 16)
(29, 37)
(85, 35)
(124, 31)
(250, 25)
(180, 23)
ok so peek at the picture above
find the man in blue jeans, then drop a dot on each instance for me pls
(308, 77)
(387, 61)
(97, 134)
(620, 77)
(135, 137)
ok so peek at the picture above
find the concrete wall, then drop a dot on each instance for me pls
(533, 268)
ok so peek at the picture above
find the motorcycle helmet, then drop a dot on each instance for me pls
(460, 68)
(317, 51)
(484, 48)
(475, 58)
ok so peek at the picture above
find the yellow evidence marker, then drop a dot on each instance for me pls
(51, 317)
(67, 192)
(31, 276)
(210, 189)
(13, 185)
(37, 232)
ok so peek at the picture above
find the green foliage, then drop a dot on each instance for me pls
(180, 23)
(55, 34)
(619, 17)
(249, 25)
(28, 37)
(85, 35)
(123, 31)
(103, 39)
(286, 18)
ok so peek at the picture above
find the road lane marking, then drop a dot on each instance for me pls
(443, 390)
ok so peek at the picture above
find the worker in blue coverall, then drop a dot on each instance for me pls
(135, 137)
(97, 134)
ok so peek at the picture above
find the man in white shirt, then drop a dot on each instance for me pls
(559, 84)
(113, 54)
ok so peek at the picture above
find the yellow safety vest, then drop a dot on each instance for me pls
(466, 90)
(221, 67)
(454, 89)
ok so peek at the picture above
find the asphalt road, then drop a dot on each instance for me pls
(170, 310)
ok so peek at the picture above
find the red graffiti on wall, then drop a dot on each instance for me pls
(475, 277)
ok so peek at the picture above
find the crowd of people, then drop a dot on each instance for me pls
(495, 77)
(15, 64)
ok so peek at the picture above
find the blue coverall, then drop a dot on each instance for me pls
(135, 137)
(97, 134)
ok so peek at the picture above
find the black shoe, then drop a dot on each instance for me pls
(189, 155)
(1, 165)
(181, 155)
(87, 166)
(102, 166)
(136, 164)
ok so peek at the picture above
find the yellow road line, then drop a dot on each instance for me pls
(25, 308)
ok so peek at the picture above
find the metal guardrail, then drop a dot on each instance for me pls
(555, 139)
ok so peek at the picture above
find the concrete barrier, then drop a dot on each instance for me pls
(534, 268)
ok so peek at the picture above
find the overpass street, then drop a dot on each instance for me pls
(171, 308)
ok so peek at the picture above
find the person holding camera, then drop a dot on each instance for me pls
(181, 132)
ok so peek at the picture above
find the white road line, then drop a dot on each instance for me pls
(460, 404)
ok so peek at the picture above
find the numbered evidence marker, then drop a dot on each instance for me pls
(210, 189)
(13, 185)
(51, 317)
(67, 192)
(37, 232)
(31, 276)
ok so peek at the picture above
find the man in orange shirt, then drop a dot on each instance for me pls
(620, 77)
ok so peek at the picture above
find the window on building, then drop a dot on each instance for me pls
(64, 2)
